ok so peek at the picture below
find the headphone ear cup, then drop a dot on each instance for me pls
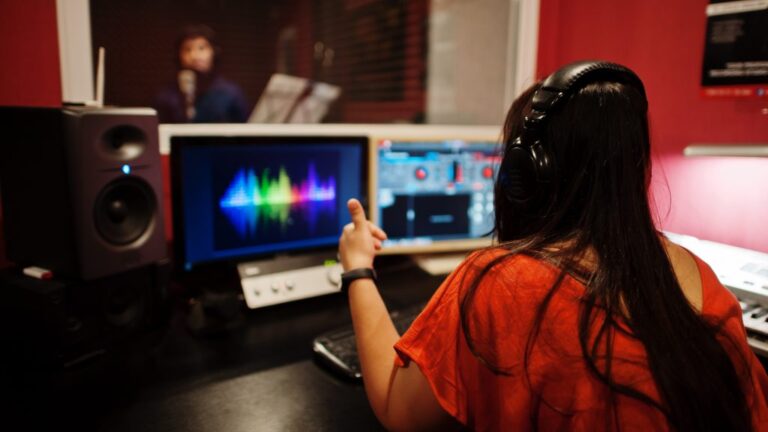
(525, 172)
(542, 163)
(517, 174)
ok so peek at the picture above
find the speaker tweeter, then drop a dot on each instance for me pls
(124, 142)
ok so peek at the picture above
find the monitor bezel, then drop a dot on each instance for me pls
(438, 246)
(178, 142)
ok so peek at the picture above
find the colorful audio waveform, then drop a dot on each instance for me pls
(249, 198)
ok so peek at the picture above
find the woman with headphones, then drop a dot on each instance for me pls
(582, 316)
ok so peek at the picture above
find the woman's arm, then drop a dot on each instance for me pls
(401, 398)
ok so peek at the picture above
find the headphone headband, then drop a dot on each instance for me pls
(528, 168)
(559, 86)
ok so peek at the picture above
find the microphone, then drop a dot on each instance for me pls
(186, 80)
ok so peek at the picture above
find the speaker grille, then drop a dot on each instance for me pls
(124, 211)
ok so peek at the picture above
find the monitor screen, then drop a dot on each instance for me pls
(435, 195)
(238, 198)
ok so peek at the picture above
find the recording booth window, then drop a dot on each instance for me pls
(375, 61)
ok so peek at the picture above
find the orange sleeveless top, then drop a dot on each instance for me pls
(558, 391)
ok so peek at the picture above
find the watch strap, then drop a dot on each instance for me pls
(359, 273)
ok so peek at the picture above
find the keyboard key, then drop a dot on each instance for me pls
(747, 307)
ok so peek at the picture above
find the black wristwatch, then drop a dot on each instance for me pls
(359, 273)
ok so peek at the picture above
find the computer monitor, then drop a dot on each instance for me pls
(433, 195)
(241, 198)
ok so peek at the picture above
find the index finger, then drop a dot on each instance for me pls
(357, 213)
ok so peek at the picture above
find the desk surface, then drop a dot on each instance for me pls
(259, 375)
(294, 397)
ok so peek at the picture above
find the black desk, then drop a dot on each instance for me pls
(294, 397)
(260, 375)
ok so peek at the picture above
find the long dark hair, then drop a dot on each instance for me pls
(598, 207)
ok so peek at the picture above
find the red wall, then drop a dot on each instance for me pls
(720, 199)
(30, 52)
(30, 67)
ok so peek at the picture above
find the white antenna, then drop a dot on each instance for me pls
(100, 79)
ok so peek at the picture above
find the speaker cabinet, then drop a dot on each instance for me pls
(81, 189)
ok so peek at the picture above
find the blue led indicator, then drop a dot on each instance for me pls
(126, 169)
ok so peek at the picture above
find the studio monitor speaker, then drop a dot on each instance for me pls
(81, 189)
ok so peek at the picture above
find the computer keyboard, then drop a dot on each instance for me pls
(337, 348)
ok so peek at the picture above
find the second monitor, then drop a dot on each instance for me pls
(434, 195)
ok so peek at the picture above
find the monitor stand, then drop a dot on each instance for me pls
(289, 278)
(438, 264)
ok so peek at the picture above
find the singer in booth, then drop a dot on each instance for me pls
(200, 94)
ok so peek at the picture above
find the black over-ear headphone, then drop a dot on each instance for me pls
(528, 169)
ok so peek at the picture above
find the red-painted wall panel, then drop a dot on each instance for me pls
(712, 198)
(30, 51)
(30, 67)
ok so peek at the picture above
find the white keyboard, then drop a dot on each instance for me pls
(755, 321)
(745, 273)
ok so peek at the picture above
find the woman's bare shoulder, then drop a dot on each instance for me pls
(687, 272)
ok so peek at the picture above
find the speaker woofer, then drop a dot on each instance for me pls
(124, 211)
